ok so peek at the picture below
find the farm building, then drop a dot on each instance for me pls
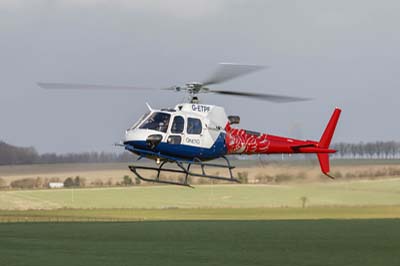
(56, 185)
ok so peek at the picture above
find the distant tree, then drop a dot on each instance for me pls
(17, 155)
(137, 180)
(69, 182)
(127, 181)
(98, 182)
(304, 200)
(10, 155)
(23, 183)
(243, 177)
(376, 149)
(39, 182)
(77, 181)
(109, 182)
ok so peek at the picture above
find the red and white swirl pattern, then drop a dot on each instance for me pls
(238, 141)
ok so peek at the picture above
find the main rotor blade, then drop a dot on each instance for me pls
(78, 86)
(266, 97)
(228, 71)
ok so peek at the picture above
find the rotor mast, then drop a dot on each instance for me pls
(194, 88)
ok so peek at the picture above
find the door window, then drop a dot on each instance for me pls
(177, 125)
(194, 126)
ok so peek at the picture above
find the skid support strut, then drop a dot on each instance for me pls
(182, 169)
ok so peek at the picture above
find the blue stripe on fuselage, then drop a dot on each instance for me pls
(185, 151)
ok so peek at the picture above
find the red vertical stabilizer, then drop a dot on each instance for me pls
(325, 141)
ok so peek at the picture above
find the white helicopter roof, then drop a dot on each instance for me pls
(215, 115)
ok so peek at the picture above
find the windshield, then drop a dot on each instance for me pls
(157, 121)
(140, 120)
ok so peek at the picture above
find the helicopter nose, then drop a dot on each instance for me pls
(130, 136)
(142, 139)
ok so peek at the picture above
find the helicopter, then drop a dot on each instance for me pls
(194, 133)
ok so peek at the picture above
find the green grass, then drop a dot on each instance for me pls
(330, 193)
(322, 242)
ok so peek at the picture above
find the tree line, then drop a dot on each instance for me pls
(368, 150)
(13, 155)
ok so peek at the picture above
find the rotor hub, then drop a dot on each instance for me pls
(194, 87)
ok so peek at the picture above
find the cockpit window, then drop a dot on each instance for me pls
(177, 125)
(157, 121)
(194, 126)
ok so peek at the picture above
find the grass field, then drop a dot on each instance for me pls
(330, 193)
(344, 222)
(333, 200)
(321, 242)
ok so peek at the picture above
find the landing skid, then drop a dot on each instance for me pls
(184, 170)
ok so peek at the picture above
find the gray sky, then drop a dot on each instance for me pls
(341, 53)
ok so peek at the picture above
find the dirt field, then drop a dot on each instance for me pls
(256, 172)
(180, 214)
(91, 172)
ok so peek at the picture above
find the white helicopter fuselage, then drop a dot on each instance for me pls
(187, 131)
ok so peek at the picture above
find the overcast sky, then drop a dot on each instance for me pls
(342, 53)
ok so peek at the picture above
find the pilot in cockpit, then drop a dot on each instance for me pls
(163, 125)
